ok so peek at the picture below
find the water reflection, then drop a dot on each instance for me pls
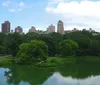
(58, 79)
(26, 75)
(69, 74)
(2, 77)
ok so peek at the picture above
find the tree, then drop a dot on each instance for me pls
(83, 39)
(32, 36)
(11, 43)
(68, 47)
(56, 36)
(94, 48)
(2, 37)
(65, 49)
(35, 49)
(2, 50)
(73, 44)
(51, 43)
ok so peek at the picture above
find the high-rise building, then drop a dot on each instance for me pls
(50, 29)
(6, 27)
(60, 27)
(32, 29)
(19, 29)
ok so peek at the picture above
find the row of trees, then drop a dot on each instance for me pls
(80, 43)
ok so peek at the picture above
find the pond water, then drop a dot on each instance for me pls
(69, 74)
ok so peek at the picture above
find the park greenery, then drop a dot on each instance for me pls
(42, 48)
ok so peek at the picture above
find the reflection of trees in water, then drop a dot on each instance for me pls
(35, 76)
(12, 76)
(31, 75)
(80, 71)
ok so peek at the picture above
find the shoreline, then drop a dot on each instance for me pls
(53, 61)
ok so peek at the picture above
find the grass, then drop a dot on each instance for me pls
(61, 60)
(5, 61)
(55, 61)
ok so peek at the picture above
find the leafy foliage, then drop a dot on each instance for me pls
(11, 43)
(35, 49)
(80, 43)
(65, 49)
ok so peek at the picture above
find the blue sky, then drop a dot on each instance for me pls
(42, 13)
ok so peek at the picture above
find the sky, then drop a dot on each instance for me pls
(42, 13)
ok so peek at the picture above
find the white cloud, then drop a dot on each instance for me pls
(83, 13)
(14, 6)
(21, 4)
(6, 3)
(15, 10)
(11, 10)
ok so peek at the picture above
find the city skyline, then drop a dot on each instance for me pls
(74, 13)
(6, 28)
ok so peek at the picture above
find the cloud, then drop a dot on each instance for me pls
(14, 6)
(21, 4)
(11, 10)
(82, 13)
(6, 3)
(15, 10)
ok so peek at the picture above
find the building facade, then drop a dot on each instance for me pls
(19, 29)
(50, 29)
(60, 27)
(33, 29)
(5, 27)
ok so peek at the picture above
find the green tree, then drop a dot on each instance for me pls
(52, 45)
(94, 48)
(32, 36)
(65, 49)
(2, 37)
(35, 49)
(83, 39)
(2, 50)
(56, 36)
(11, 43)
(73, 44)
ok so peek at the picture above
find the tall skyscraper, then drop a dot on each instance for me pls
(19, 29)
(60, 27)
(51, 28)
(6, 27)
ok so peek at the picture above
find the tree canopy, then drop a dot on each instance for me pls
(79, 43)
(33, 50)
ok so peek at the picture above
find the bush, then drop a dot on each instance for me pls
(35, 49)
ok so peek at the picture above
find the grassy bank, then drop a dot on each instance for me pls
(6, 61)
(55, 61)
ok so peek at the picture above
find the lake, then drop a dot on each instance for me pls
(69, 74)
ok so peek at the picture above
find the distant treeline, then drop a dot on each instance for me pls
(80, 43)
